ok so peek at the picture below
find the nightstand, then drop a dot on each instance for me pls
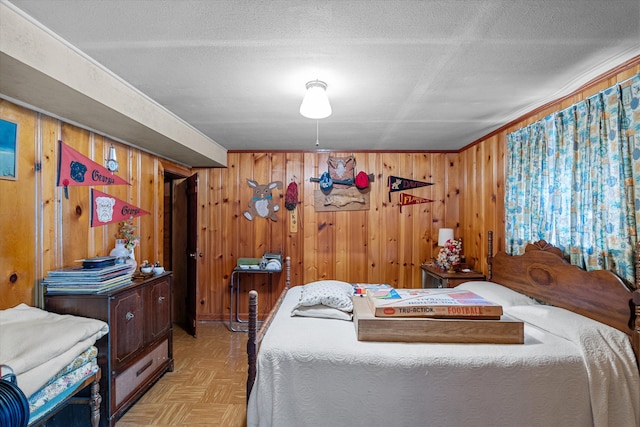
(433, 277)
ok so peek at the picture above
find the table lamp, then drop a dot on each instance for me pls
(444, 234)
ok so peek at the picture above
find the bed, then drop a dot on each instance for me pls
(577, 366)
(52, 360)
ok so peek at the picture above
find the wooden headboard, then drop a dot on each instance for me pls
(542, 273)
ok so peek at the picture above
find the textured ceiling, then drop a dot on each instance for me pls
(401, 75)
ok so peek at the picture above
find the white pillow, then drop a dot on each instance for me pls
(565, 323)
(497, 293)
(321, 311)
(330, 293)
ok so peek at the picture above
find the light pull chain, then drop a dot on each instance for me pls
(317, 133)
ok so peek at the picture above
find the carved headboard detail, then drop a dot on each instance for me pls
(543, 245)
(542, 273)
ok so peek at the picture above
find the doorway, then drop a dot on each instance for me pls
(180, 245)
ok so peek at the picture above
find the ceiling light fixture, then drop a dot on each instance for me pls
(315, 104)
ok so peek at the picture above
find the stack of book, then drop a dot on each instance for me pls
(87, 280)
(363, 288)
(432, 315)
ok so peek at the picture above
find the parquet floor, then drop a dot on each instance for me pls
(206, 387)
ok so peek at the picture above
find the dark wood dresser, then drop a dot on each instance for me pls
(139, 346)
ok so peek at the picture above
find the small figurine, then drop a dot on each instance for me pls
(145, 267)
(157, 268)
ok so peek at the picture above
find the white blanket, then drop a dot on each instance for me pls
(36, 344)
(314, 372)
(614, 382)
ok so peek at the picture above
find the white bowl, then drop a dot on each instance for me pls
(146, 270)
(158, 270)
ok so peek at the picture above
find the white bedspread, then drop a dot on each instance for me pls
(36, 344)
(314, 372)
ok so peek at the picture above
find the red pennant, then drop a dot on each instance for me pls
(106, 209)
(76, 169)
(408, 199)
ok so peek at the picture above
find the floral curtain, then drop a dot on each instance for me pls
(571, 181)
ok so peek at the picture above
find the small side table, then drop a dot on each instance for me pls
(234, 295)
(433, 277)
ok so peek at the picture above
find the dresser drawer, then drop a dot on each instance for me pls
(157, 310)
(127, 326)
(130, 379)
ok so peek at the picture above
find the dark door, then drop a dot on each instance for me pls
(179, 249)
(192, 252)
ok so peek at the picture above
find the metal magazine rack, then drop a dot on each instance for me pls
(269, 264)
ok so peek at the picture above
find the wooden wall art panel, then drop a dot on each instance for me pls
(341, 200)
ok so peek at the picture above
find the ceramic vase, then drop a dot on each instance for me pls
(121, 253)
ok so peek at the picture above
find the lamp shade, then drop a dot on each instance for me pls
(315, 104)
(444, 234)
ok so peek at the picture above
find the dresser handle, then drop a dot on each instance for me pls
(144, 368)
(129, 316)
(160, 299)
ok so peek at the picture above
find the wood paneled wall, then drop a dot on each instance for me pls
(482, 173)
(381, 245)
(42, 230)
